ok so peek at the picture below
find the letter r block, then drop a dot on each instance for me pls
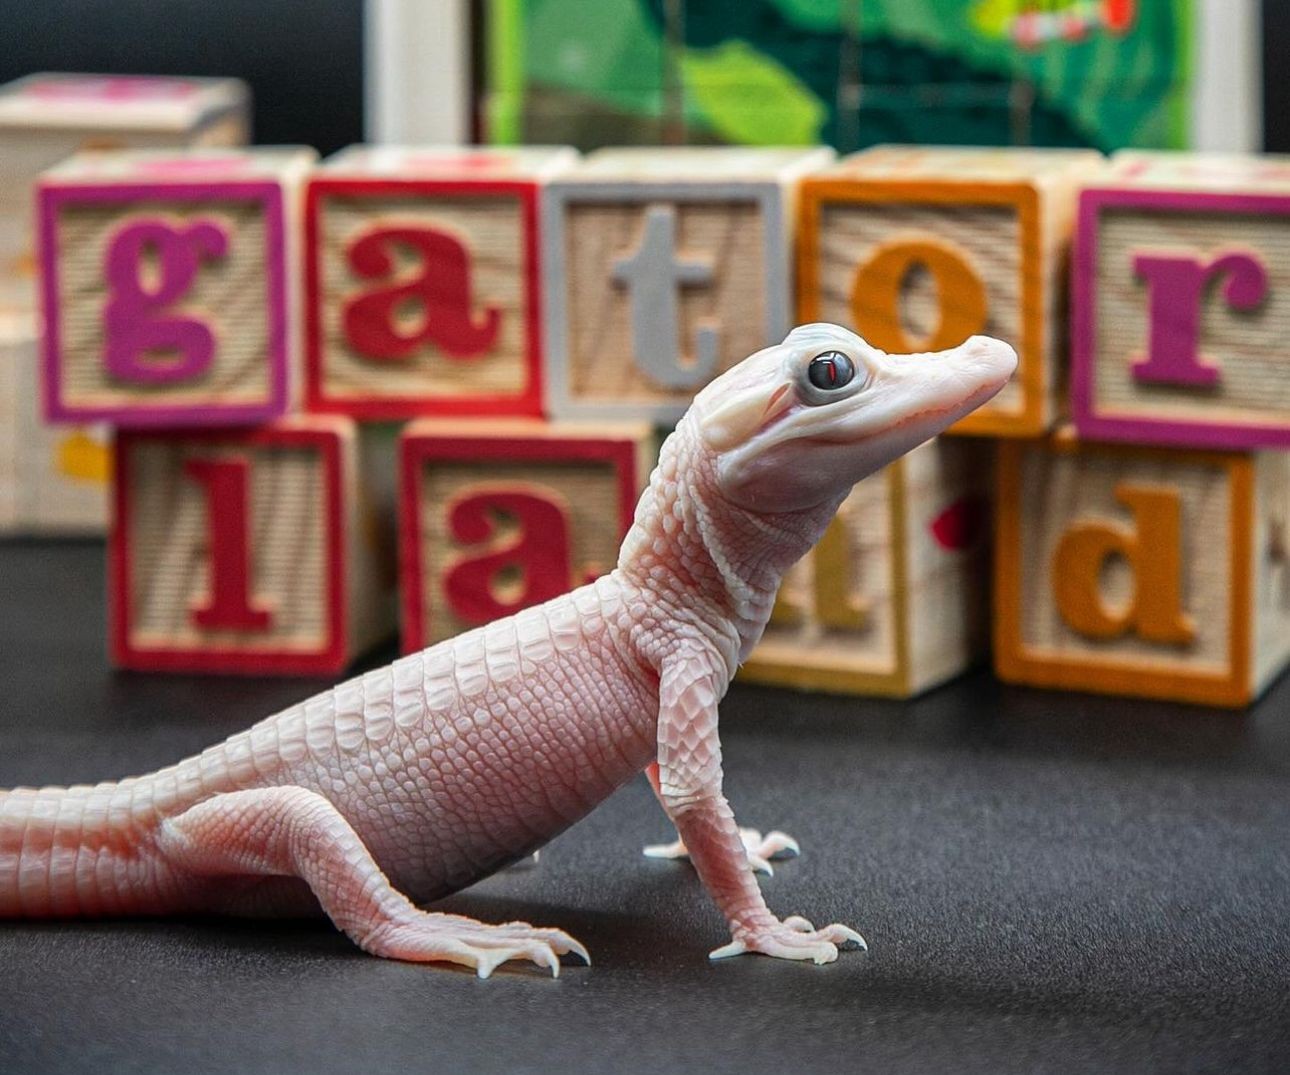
(498, 516)
(167, 284)
(1182, 302)
(893, 600)
(917, 249)
(422, 290)
(1139, 570)
(664, 267)
(253, 552)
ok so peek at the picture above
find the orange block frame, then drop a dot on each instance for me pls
(1109, 666)
(1037, 187)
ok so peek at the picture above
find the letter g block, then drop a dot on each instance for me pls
(166, 282)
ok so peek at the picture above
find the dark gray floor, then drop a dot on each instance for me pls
(1048, 883)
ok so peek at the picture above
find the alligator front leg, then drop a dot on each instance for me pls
(761, 849)
(691, 683)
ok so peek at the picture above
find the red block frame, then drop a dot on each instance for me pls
(331, 659)
(382, 408)
(419, 448)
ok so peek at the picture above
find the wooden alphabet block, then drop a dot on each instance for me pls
(498, 517)
(664, 268)
(45, 118)
(245, 551)
(917, 249)
(422, 290)
(1182, 302)
(53, 479)
(894, 599)
(167, 285)
(1144, 571)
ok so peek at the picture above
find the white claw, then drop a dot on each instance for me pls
(734, 948)
(761, 865)
(797, 922)
(780, 845)
(674, 850)
(850, 936)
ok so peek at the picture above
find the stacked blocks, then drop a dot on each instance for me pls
(893, 599)
(664, 268)
(503, 515)
(167, 286)
(244, 550)
(423, 288)
(1142, 570)
(917, 249)
(1182, 309)
(1144, 551)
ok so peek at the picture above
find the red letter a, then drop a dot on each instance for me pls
(441, 289)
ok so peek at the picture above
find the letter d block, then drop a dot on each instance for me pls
(245, 552)
(894, 598)
(422, 288)
(1156, 572)
(1182, 302)
(167, 284)
(917, 249)
(499, 517)
(665, 267)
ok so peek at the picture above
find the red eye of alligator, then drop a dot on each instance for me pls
(831, 370)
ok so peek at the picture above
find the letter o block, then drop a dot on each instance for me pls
(248, 552)
(893, 600)
(167, 286)
(917, 249)
(500, 516)
(665, 267)
(422, 290)
(1182, 302)
(1156, 572)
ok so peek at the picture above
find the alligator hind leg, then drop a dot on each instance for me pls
(291, 832)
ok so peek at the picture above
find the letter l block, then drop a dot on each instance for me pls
(246, 552)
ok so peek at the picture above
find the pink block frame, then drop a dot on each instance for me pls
(51, 199)
(1141, 429)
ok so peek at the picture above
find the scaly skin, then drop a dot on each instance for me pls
(414, 780)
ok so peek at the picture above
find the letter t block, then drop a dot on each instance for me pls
(665, 267)
(500, 516)
(167, 286)
(254, 552)
(422, 291)
(1156, 572)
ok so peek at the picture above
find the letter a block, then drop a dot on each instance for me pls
(1182, 302)
(422, 288)
(167, 286)
(894, 598)
(245, 551)
(1157, 572)
(917, 249)
(665, 267)
(509, 514)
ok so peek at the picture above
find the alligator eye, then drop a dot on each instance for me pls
(831, 370)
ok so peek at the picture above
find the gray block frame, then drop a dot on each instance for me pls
(770, 197)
